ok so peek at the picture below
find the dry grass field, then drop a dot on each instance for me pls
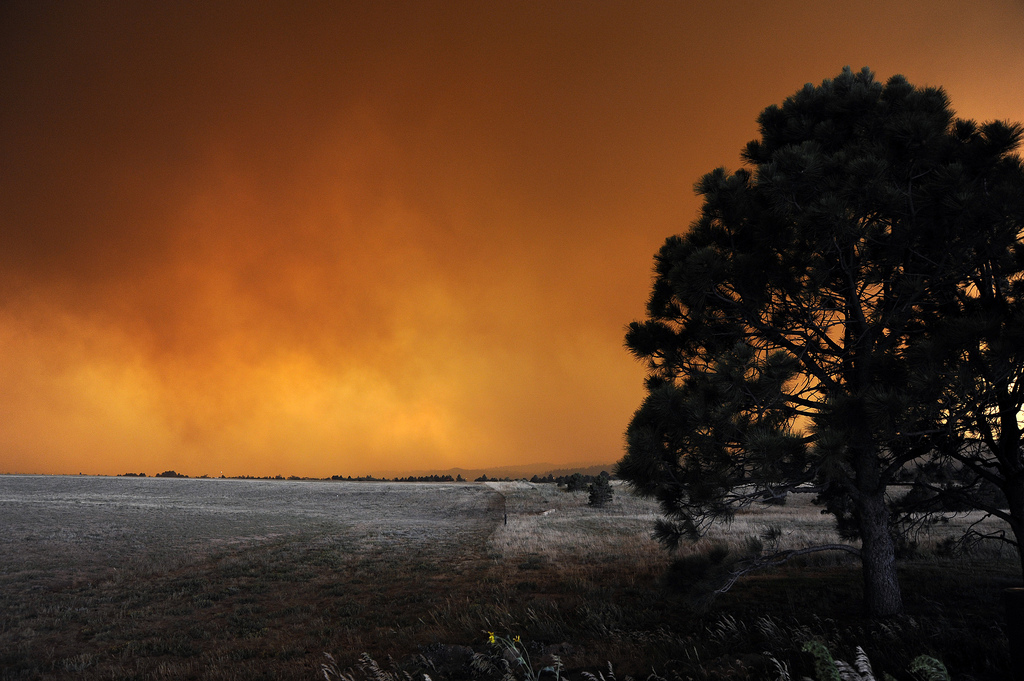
(125, 578)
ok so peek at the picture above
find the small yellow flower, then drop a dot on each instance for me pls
(516, 639)
(490, 637)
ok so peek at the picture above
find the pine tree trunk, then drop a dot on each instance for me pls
(1015, 501)
(1008, 454)
(882, 596)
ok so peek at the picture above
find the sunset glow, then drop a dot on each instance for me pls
(350, 238)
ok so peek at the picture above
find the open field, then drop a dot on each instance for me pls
(126, 578)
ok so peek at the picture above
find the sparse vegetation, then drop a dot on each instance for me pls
(127, 578)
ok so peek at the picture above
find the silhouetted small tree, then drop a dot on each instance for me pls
(601, 492)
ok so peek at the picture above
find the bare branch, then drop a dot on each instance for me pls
(778, 558)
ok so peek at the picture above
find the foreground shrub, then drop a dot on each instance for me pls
(507, 659)
(828, 669)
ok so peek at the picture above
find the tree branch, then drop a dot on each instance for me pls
(778, 558)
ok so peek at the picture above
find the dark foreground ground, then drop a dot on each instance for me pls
(193, 579)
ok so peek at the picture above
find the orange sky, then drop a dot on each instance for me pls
(341, 238)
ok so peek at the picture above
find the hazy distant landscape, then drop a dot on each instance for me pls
(129, 578)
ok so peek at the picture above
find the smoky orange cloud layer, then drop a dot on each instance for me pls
(342, 238)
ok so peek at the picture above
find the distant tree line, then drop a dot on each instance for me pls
(410, 478)
(574, 483)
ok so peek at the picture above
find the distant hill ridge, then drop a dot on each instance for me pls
(515, 472)
(525, 471)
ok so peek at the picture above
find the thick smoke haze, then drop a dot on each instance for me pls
(342, 238)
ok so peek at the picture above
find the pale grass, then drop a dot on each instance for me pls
(121, 528)
(546, 521)
(162, 578)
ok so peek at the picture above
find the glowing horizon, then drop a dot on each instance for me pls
(327, 239)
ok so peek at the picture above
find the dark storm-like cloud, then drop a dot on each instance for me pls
(323, 238)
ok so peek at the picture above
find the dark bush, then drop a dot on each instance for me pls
(601, 492)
